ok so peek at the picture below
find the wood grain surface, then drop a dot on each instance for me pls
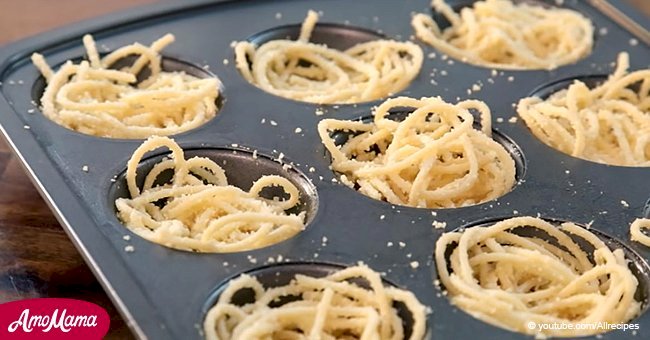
(36, 257)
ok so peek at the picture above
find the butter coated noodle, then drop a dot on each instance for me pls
(607, 124)
(510, 280)
(314, 73)
(434, 158)
(500, 34)
(328, 308)
(199, 211)
(91, 98)
(636, 233)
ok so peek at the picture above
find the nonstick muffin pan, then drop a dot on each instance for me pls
(164, 293)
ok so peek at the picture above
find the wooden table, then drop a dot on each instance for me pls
(36, 257)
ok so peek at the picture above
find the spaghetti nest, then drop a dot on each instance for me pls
(500, 34)
(607, 124)
(314, 73)
(434, 158)
(94, 99)
(199, 211)
(332, 307)
(511, 279)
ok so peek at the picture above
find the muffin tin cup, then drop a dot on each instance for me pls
(242, 167)
(281, 274)
(637, 264)
(162, 293)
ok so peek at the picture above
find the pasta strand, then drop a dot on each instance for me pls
(434, 158)
(609, 123)
(505, 35)
(314, 73)
(91, 98)
(509, 279)
(324, 308)
(199, 210)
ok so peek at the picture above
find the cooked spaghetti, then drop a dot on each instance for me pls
(434, 158)
(332, 307)
(637, 234)
(501, 34)
(199, 211)
(314, 73)
(609, 123)
(513, 279)
(92, 98)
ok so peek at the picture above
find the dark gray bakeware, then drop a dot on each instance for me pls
(164, 293)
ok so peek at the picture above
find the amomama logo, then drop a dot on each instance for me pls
(52, 318)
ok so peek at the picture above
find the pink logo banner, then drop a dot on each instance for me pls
(52, 318)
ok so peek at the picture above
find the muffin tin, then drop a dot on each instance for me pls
(163, 293)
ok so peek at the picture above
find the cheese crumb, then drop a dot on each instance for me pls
(129, 249)
(297, 130)
(439, 225)
(415, 264)
(126, 237)
(84, 168)
(382, 217)
(625, 204)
